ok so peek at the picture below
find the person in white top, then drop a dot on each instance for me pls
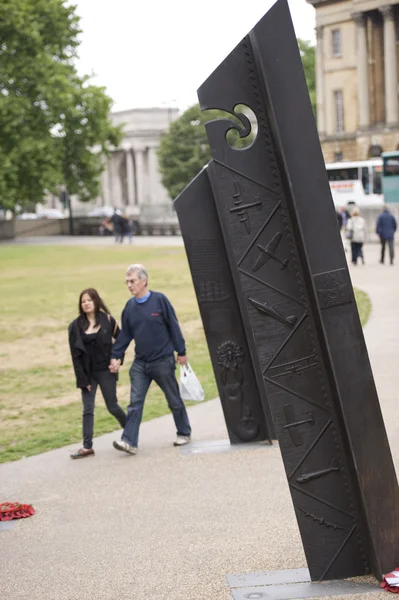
(356, 232)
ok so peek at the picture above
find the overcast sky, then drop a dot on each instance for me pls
(157, 53)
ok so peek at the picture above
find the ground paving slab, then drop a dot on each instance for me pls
(166, 524)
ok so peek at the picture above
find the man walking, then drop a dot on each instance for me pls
(118, 221)
(343, 217)
(149, 319)
(386, 227)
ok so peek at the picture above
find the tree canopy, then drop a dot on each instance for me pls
(184, 149)
(308, 55)
(55, 128)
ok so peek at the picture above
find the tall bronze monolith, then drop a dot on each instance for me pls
(295, 295)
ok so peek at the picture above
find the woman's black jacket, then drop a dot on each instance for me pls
(80, 358)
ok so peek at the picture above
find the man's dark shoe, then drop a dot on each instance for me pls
(124, 447)
(82, 453)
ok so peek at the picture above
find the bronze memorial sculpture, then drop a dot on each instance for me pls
(292, 286)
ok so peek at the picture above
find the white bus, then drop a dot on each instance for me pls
(357, 182)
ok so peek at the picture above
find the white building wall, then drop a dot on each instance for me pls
(131, 180)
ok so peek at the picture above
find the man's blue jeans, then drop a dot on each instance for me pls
(141, 375)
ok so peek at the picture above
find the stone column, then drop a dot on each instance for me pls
(140, 175)
(105, 176)
(129, 176)
(112, 184)
(362, 71)
(116, 182)
(378, 36)
(153, 175)
(146, 171)
(390, 66)
(320, 81)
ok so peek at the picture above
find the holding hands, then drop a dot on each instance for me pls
(114, 365)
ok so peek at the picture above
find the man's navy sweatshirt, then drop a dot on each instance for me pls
(154, 327)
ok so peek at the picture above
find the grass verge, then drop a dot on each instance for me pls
(40, 408)
(363, 305)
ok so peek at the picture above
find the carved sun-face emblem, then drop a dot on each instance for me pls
(230, 355)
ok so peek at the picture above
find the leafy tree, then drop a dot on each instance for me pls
(308, 55)
(55, 128)
(184, 149)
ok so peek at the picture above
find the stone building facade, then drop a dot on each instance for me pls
(357, 73)
(131, 180)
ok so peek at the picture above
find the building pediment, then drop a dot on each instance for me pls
(365, 5)
(316, 3)
(357, 4)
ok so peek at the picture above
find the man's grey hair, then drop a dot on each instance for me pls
(139, 269)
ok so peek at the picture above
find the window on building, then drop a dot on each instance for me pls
(339, 111)
(375, 151)
(336, 42)
(338, 156)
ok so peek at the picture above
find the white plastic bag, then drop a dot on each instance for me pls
(190, 388)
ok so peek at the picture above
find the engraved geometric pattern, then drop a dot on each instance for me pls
(241, 390)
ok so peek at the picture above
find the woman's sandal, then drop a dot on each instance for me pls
(83, 452)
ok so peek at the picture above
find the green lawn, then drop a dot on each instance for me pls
(40, 407)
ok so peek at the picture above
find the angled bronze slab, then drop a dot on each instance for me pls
(237, 371)
(273, 201)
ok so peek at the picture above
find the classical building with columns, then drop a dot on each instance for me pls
(357, 73)
(131, 180)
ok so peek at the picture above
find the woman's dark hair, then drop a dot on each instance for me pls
(98, 306)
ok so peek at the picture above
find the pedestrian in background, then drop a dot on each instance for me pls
(342, 217)
(106, 228)
(118, 222)
(91, 337)
(128, 228)
(356, 233)
(386, 227)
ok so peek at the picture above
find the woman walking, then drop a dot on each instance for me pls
(356, 231)
(91, 337)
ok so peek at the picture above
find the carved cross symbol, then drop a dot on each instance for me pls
(242, 209)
